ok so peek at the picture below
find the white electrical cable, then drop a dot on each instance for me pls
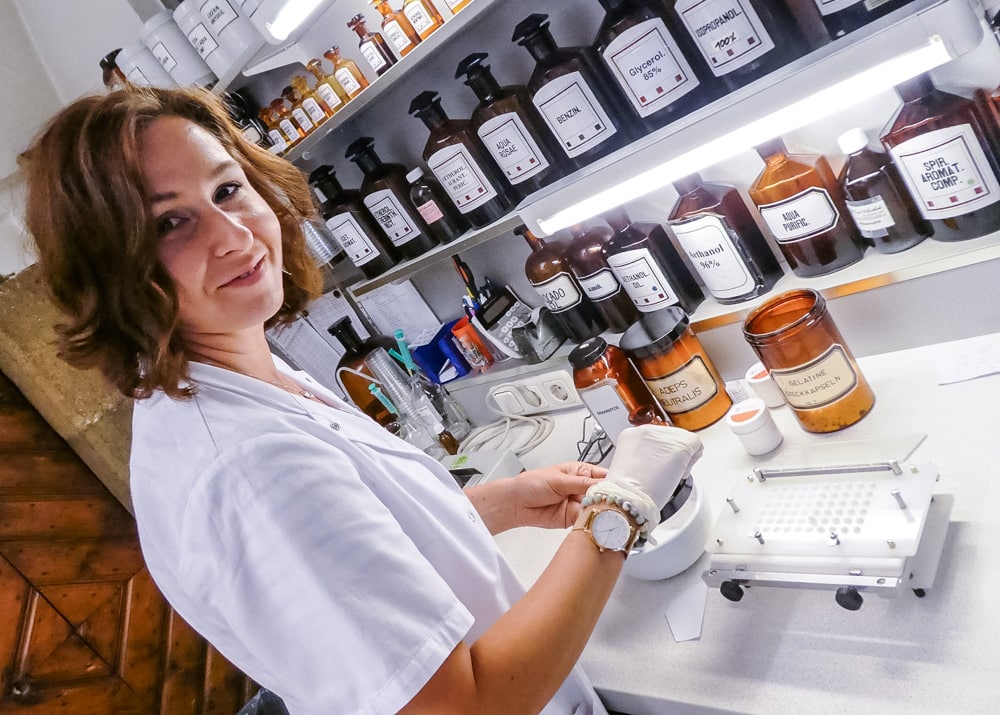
(500, 434)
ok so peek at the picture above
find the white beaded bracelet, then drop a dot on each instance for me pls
(635, 502)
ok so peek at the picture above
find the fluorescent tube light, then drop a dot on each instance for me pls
(289, 16)
(849, 92)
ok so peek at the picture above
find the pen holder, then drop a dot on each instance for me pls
(439, 358)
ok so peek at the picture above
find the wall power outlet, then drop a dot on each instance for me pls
(536, 394)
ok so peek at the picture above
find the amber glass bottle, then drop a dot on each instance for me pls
(795, 337)
(111, 75)
(345, 215)
(397, 28)
(844, 16)
(943, 152)
(456, 5)
(279, 140)
(724, 244)
(299, 114)
(328, 90)
(676, 368)
(446, 223)
(318, 110)
(548, 272)
(291, 129)
(457, 159)
(386, 195)
(511, 129)
(612, 389)
(347, 73)
(877, 198)
(580, 104)
(653, 61)
(585, 256)
(373, 46)
(424, 17)
(741, 40)
(648, 266)
(801, 202)
(354, 385)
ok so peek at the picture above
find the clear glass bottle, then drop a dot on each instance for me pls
(612, 389)
(648, 266)
(877, 198)
(328, 90)
(445, 222)
(586, 258)
(351, 225)
(373, 46)
(386, 195)
(347, 73)
(580, 103)
(801, 202)
(796, 339)
(938, 141)
(548, 272)
(511, 129)
(424, 17)
(456, 158)
(725, 246)
(397, 28)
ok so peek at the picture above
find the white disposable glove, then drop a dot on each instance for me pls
(654, 459)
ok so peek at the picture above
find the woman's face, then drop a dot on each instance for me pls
(218, 239)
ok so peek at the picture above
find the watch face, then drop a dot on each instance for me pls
(611, 530)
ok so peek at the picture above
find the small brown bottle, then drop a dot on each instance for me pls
(801, 202)
(445, 222)
(347, 73)
(397, 28)
(586, 259)
(943, 152)
(352, 226)
(292, 130)
(648, 266)
(111, 74)
(386, 195)
(548, 272)
(877, 198)
(612, 390)
(279, 140)
(456, 158)
(424, 17)
(373, 46)
(328, 90)
(725, 246)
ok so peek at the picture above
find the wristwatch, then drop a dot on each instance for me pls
(611, 529)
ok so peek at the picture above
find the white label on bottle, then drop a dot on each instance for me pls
(328, 95)
(201, 39)
(396, 221)
(461, 177)
(313, 109)
(396, 35)
(430, 212)
(373, 56)
(452, 3)
(161, 53)
(290, 130)
(251, 133)
(729, 33)
(708, 242)
(352, 238)
(559, 292)
(279, 141)
(347, 81)
(871, 216)
(807, 213)
(607, 408)
(600, 284)
(685, 389)
(512, 147)
(818, 382)
(642, 278)
(418, 16)
(573, 113)
(828, 7)
(647, 63)
(303, 119)
(219, 14)
(947, 172)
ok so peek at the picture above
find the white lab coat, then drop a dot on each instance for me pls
(332, 562)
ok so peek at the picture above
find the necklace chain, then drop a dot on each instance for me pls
(296, 389)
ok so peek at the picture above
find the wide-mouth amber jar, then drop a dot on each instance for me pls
(676, 368)
(795, 337)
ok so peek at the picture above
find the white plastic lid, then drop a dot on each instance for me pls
(415, 174)
(853, 140)
(748, 416)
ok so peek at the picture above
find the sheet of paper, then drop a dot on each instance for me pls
(399, 305)
(969, 359)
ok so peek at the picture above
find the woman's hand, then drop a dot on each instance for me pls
(548, 497)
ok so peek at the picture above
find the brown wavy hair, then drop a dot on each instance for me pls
(88, 212)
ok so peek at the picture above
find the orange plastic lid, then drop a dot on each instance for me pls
(744, 415)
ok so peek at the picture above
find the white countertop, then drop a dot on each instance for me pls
(791, 650)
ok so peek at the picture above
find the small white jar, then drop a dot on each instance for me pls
(192, 25)
(759, 380)
(140, 67)
(751, 421)
(169, 45)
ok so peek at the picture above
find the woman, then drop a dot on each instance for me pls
(333, 563)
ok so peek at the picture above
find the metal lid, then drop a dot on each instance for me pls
(655, 332)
